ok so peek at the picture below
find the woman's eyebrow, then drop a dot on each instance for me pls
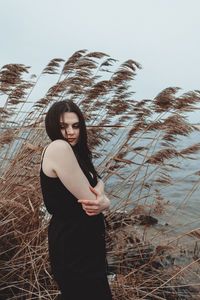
(67, 123)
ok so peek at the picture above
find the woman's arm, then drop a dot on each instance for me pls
(93, 208)
(100, 186)
(64, 163)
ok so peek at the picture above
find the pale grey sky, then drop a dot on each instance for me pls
(162, 35)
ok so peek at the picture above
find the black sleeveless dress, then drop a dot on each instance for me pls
(76, 243)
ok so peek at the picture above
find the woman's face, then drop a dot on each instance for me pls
(70, 127)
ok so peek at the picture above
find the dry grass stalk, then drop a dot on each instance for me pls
(137, 165)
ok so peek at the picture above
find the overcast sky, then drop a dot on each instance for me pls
(162, 35)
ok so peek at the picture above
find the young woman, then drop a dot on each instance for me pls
(74, 195)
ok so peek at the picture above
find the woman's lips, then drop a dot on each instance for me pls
(70, 140)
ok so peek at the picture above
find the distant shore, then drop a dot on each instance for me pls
(197, 126)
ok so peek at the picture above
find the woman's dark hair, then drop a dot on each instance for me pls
(52, 124)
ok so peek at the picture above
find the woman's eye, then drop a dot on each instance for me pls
(76, 126)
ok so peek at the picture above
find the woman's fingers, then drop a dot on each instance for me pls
(95, 211)
(91, 214)
(90, 207)
(95, 191)
(89, 202)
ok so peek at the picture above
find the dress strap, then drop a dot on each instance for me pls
(43, 155)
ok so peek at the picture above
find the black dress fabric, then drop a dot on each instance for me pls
(76, 242)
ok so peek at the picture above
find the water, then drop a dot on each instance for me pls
(183, 197)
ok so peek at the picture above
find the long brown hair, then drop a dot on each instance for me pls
(52, 124)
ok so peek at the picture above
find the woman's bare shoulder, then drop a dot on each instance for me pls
(59, 145)
(58, 148)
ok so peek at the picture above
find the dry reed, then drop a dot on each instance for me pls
(134, 144)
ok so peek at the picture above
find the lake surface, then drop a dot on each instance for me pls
(183, 209)
(135, 182)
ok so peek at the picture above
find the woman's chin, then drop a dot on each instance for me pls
(72, 143)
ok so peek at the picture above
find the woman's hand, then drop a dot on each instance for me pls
(100, 186)
(95, 207)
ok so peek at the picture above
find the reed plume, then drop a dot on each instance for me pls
(135, 146)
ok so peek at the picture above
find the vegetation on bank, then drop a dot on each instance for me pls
(149, 261)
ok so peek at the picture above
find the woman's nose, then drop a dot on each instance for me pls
(70, 130)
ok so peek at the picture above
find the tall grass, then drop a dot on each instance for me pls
(136, 151)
